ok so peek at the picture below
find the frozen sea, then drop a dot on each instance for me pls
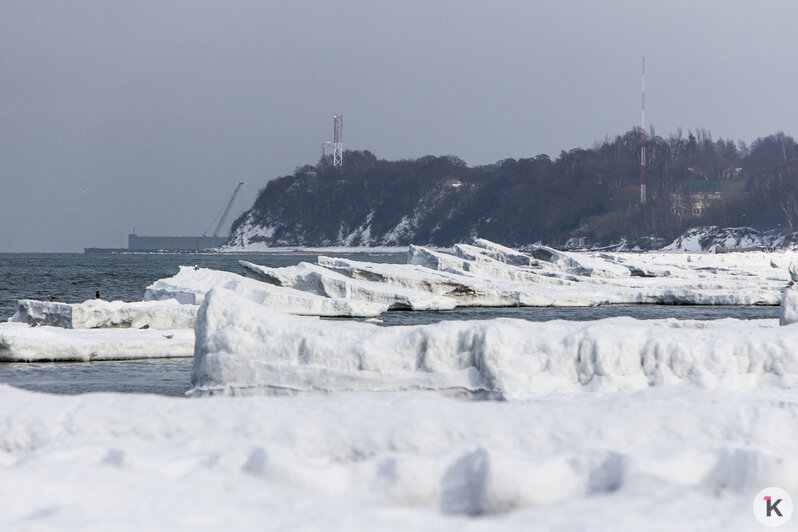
(76, 277)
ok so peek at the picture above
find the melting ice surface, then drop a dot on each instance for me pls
(613, 424)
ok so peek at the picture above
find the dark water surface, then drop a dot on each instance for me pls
(75, 277)
(642, 312)
(161, 376)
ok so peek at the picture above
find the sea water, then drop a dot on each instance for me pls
(73, 278)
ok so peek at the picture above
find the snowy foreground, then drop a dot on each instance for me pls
(663, 458)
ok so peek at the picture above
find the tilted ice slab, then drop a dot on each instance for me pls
(580, 264)
(408, 276)
(242, 348)
(542, 257)
(471, 290)
(655, 459)
(190, 286)
(481, 254)
(503, 253)
(467, 290)
(20, 342)
(490, 269)
(97, 313)
(318, 280)
(552, 262)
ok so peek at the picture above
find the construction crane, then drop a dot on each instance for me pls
(226, 212)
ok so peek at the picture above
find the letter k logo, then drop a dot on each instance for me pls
(772, 506)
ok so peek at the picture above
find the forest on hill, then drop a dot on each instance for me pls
(591, 194)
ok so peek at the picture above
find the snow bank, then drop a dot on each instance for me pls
(96, 313)
(190, 286)
(317, 280)
(666, 458)
(242, 348)
(20, 342)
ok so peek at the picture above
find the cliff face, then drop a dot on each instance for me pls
(434, 200)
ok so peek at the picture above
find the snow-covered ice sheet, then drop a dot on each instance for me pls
(488, 274)
(491, 287)
(191, 284)
(582, 279)
(97, 313)
(242, 348)
(665, 458)
(321, 281)
(19, 342)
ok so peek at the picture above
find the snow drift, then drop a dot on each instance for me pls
(654, 459)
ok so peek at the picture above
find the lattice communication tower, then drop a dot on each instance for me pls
(643, 139)
(338, 140)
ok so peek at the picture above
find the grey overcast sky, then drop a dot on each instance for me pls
(119, 114)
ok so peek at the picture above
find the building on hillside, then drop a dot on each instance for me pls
(695, 196)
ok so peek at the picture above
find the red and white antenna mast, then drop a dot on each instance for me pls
(338, 140)
(643, 138)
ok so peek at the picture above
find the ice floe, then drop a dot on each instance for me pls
(20, 342)
(97, 313)
(242, 348)
(191, 284)
(321, 281)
